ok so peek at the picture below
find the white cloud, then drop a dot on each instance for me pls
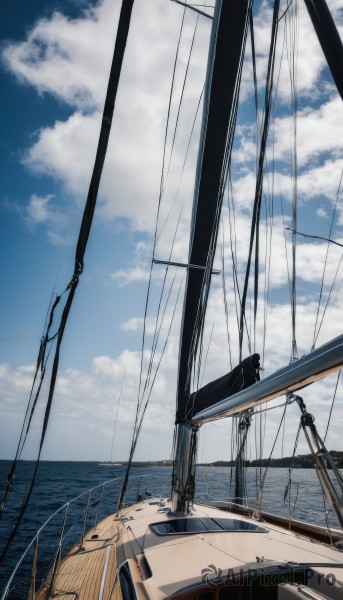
(127, 276)
(85, 401)
(136, 324)
(321, 212)
(38, 210)
(318, 131)
(58, 59)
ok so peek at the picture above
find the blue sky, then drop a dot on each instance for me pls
(53, 73)
(32, 266)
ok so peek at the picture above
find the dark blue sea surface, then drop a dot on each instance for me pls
(59, 482)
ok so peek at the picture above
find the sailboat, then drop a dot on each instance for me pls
(170, 546)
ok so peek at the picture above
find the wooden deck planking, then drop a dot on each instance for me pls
(80, 573)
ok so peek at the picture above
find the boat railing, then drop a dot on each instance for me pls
(67, 527)
(302, 500)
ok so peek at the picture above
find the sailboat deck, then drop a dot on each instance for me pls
(157, 571)
(88, 571)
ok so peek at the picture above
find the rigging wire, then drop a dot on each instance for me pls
(270, 203)
(140, 422)
(193, 7)
(267, 270)
(259, 180)
(285, 241)
(292, 54)
(225, 298)
(288, 488)
(87, 219)
(325, 262)
(118, 405)
(172, 246)
(286, 10)
(258, 503)
(156, 222)
(253, 54)
(156, 336)
(207, 351)
(144, 394)
(329, 297)
(234, 260)
(183, 165)
(157, 332)
(163, 185)
(315, 237)
(233, 244)
(182, 93)
(332, 404)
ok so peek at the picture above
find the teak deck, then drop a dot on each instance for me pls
(88, 572)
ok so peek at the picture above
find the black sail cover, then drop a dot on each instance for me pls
(242, 376)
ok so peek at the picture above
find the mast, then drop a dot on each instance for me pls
(220, 103)
(329, 39)
(229, 30)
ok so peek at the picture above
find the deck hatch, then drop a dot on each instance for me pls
(191, 525)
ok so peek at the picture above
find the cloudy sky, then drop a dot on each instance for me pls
(55, 60)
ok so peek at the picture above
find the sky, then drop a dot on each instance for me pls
(55, 60)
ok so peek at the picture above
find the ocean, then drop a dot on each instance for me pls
(59, 482)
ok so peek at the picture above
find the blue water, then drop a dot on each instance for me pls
(59, 482)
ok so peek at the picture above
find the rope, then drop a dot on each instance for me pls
(87, 219)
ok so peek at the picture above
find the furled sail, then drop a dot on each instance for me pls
(241, 377)
(309, 368)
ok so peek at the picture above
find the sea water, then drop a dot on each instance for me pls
(59, 482)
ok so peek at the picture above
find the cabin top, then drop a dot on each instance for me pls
(237, 552)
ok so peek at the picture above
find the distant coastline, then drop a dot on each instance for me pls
(303, 461)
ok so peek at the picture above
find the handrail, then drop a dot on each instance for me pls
(37, 535)
(62, 508)
(154, 487)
